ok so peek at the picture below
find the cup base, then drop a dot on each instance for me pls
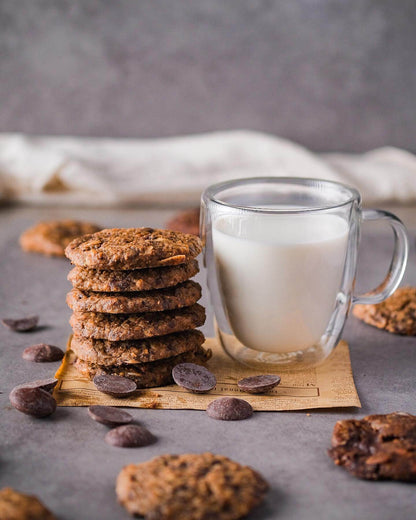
(299, 360)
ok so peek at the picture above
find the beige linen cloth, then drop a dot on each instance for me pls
(86, 171)
(329, 385)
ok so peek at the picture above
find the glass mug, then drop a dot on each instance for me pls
(281, 255)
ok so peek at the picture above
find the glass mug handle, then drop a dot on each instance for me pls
(398, 262)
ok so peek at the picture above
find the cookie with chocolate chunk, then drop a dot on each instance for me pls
(118, 327)
(107, 353)
(174, 487)
(377, 447)
(182, 295)
(18, 506)
(101, 280)
(134, 248)
(145, 375)
(51, 238)
(397, 314)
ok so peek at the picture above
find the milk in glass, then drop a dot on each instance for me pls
(279, 276)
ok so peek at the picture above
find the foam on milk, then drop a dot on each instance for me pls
(279, 276)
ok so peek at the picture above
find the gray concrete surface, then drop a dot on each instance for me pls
(331, 74)
(66, 462)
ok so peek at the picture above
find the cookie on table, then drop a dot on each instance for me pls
(51, 238)
(118, 327)
(18, 506)
(185, 221)
(397, 314)
(104, 352)
(146, 375)
(190, 487)
(377, 447)
(131, 280)
(182, 295)
(134, 248)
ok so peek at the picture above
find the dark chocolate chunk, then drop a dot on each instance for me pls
(258, 384)
(229, 409)
(33, 401)
(22, 324)
(43, 353)
(117, 386)
(45, 384)
(109, 415)
(130, 436)
(193, 377)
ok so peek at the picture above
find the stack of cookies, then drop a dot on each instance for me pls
(134, 305)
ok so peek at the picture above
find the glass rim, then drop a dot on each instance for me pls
(211, 192)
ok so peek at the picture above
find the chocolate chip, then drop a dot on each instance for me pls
(195, 378)
(117, 386)
(45, 384)
(229, 409)
(23, 324)
(130, 436)
(32, 401)
(42, 353)
(258, 384)
(109, 415)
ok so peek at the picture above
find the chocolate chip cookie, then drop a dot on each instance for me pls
(104, 352)
(146, 375)
(185, 221)
(17, 506)
(190, 487)
(377, 447)
(182, 295)
(51, 238)
(397, 314)
(134, 248)
(133, 280)
(118, 327)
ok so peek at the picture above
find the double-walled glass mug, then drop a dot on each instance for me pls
(281, 255)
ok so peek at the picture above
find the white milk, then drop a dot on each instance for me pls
(279, 276)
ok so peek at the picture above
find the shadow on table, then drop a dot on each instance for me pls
(272, 506)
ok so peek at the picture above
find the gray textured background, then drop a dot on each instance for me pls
(331, 74)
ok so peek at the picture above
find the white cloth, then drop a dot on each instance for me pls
(86, 171)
